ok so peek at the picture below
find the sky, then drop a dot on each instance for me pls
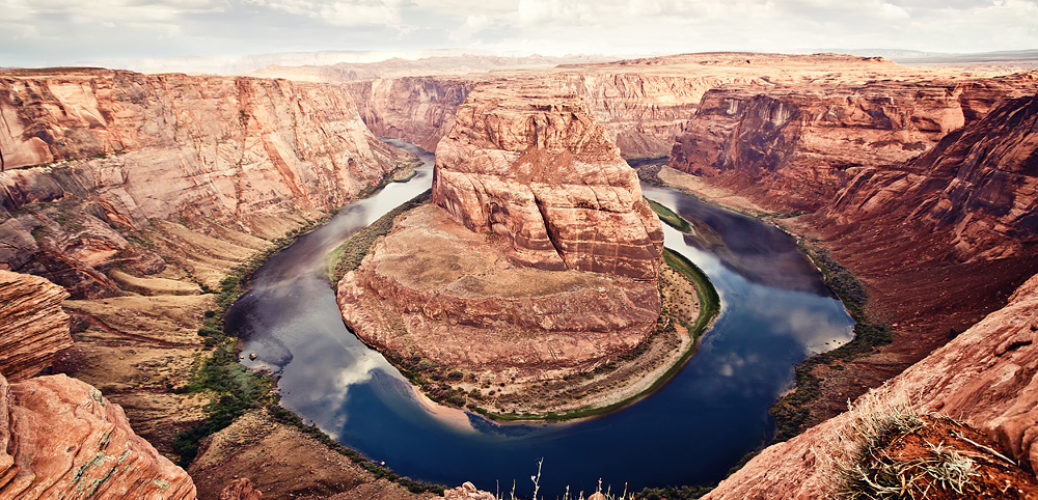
(37, 33)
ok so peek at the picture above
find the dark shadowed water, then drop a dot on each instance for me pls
(775, 312)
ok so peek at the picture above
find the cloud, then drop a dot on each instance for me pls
(348, 14)
(38, 32)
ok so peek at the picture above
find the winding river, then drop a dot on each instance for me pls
(775, 312)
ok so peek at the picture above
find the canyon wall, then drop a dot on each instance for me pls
(417, 109)
(132, 148)
(794, 147)
(533, 167)
(60, 438)
(983, 378)
(922, 189)
(34, 328)
(644, 104)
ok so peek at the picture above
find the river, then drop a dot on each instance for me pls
(775, 312)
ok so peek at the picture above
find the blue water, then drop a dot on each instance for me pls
(775, 313)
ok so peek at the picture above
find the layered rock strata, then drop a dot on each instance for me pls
(59, 438)
(535, 169)
(134, 148)
(34, 329)
(793, 147)
(923, 190)
(983, 378)
(436, 290)
(539, 257)
(417, 109)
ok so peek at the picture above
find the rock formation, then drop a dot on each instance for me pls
(436, 290)
(240, 489)
(59, 438)
(539, 172)
(908, 190)
(417, 109)
(34, 328)
(539, 257)
(794, 146)
(643, 104)
(984, 378)
(133, 148)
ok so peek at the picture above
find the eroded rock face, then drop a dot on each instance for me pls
(34, 328)
(436, 290)
(532, 167)
(980, 184)
(984, 378)
(417, 109)
(233, 150)
(59, 438)
(795, 147)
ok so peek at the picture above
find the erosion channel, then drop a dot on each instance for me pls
(775, 312)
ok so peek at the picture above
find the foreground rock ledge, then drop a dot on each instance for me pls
(59, 438)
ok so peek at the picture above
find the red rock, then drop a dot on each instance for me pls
(467, 491)
(983, 377)
(240, 489)
(59, 438)
(34, 328)
(236, 151)
(434, 289)
(533, 167)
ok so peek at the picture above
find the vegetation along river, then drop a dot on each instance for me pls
(775, 312)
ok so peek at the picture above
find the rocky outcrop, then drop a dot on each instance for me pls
(240, 489)
(417, 109)
(794, 147)
(467, 491)
(984, 378)
(133, 148)
(435, 290)
(644, 104)
(34, 328)
(979, 184)
(59, 438)
(936, 228)
(250, 456)
(533, 168)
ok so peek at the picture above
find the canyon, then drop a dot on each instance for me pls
(138, 194)
(536, 252)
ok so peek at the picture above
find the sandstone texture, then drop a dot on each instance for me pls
(133, 148)
(253, 450)
(34, 329)
(534, 168)
(984, 378)
(59, 438)
(644, 104)
(795, 146)
(434, 289)
(923, 189)
(417, 109)
(240, 489)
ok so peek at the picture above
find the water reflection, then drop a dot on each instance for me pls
(775, 312)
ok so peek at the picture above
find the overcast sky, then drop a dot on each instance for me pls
(52, 32)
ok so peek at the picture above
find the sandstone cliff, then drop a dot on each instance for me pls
(133, 148)
(793, 147)
(920, 188)
(417, 109)
(534, 168)
(984, 378)
(435, 290)
(644, 104)
(34, 328)
(59, 438)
